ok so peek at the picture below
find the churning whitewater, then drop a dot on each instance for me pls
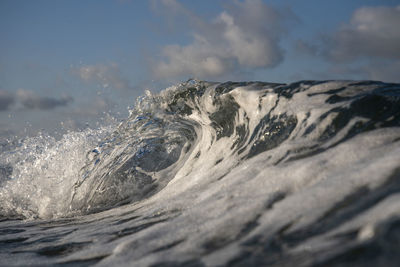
(214, 174)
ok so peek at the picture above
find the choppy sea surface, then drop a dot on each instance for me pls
(214, 174)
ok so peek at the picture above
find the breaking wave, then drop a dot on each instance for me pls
(250, 164)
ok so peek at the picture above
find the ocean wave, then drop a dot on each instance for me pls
(245, 163)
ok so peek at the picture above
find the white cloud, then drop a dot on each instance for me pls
(30, 100)
(243, 37)
(366, 47)
(6, 100)
(108, 76)
(371, 32)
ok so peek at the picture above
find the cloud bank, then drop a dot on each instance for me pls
(6, 100)
(32, 101)
(29, 100)
(245, 36)
(373, 37)
(366, 47)
(371, 32)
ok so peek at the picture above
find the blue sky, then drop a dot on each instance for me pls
(69, 62)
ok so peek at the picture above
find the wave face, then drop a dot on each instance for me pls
(203, 173)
